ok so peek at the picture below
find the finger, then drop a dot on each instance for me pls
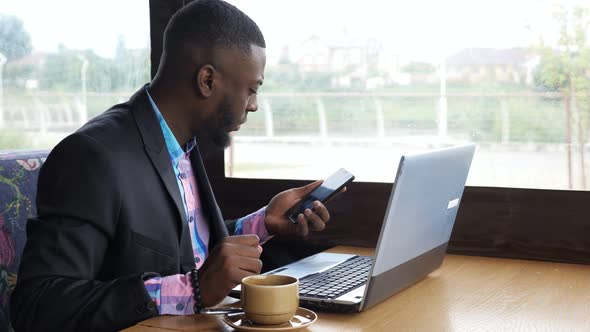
(245, 239)
(303, 191)
(302, 228)
(247, 264)
(316, 222)
(320, 210)
(234, 249)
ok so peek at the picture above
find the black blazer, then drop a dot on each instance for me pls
(109, 211)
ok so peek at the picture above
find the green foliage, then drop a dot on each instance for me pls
(61, 71)
(15, 41)
(126, 72)
(551, 73)
(15, 75)
(566, 67)
(130, 68)
(419, 68)
(529, 120)
(12, 139)
(289, 78)
(477, 118)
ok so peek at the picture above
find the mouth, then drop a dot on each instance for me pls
(237, 127)
(240, 124)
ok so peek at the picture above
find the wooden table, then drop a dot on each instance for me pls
(465, 294)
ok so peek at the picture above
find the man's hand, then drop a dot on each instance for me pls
(234, 258)
(277, 222)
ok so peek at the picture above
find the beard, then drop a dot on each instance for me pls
(218, 135)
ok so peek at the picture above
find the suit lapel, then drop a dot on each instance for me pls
(218, 228)
(154, 146)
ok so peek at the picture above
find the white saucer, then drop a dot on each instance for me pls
(302, 319)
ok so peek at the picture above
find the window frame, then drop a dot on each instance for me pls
(539, 224)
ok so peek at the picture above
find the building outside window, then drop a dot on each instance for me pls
(357, 85)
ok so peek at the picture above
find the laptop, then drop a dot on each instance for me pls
(414, 235)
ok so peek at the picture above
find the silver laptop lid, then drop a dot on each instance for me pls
(419, 219)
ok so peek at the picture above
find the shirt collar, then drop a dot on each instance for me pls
(174, 149)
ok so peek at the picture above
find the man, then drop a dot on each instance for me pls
(125, 209)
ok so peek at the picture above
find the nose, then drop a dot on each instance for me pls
(252, 104)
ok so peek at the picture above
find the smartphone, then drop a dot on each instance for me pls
(330, 187)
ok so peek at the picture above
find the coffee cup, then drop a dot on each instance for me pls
(270, 299)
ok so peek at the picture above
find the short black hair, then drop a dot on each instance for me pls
(210, 24)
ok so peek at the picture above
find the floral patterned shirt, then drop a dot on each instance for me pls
(173, 294)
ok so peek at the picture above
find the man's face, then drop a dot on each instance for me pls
(242, 76)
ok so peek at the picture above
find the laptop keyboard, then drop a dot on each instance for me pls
(337, 280)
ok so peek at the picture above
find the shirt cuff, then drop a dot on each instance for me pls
(254, 224)
(173, 295)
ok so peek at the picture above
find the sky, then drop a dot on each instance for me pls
(416, 29)
(82, 24)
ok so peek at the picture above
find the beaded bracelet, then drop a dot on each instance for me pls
(196, 291)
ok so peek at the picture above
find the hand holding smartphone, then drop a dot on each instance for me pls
(330, 187)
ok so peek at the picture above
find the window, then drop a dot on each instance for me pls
(64, 62)
(356, 86)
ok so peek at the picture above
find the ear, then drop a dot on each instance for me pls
(206, 80)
